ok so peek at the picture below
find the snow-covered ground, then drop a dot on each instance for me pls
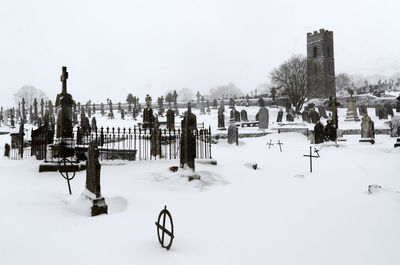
(277, 214)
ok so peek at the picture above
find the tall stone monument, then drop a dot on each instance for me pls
(188, 140)
(351, 114)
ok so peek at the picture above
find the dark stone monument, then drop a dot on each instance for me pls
(263, 118)
(243, 115)
(170, 118)
(319, 133)
(202, 107)
(148, 118)
(367, 130)
(7, 150)
(322, 111)
(261, 102)
(155, 138)
(235, 115)
(398, 104)
(330, 132)
(382, 113)
(64, 115)
(279, 116)
(93, 181)
(188, 140)
(363, 110)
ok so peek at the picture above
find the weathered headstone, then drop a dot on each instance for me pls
(170, 118)
(367, 130)
(7, 150)
(93, 181)
(351, 114)
(155, 138)
(235, 115)
(330, 131)
(243, 115)
(363, 110)
(221, 118)
(263, 118)
(382, 113)
(322, 112)
(389, 109)
(233, 134)
(188, 140)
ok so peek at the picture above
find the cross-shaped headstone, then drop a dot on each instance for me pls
(311, 156)
(63, 78)
(270, 143)
(280, 145)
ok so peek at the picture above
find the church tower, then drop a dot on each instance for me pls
(320, 64)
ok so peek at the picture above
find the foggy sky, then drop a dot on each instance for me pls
(112, 48)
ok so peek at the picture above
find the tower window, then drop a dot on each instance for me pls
(315, 52)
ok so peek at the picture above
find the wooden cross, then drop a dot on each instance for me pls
(280, 145)
(270, 143)
(63, 78)
(311, 156)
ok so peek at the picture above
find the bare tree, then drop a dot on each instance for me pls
(230, 90)
(291, 78)
(185, 94)
(29, 93)
(343, 82)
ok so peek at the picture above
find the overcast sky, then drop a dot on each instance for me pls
(113, 47)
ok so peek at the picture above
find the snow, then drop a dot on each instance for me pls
(277, 214)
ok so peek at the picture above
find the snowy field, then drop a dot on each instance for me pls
(277, 214)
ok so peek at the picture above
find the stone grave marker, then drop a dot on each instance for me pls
(263, 118)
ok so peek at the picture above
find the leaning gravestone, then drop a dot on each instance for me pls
(322, 112)
(367, 130)
(233, 134)
(93, 181)
(314, 116)
(319, 133)
(305, 116)
(243, 115)
(263, 118)
(280, 115)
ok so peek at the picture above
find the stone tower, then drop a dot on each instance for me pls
(320, 64)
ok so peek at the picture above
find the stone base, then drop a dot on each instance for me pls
(222, 129)
(193, 177)
(367, 140)
(99, 206)
(397, 144)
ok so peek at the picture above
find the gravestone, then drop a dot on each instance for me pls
(202, 107)
(102, 109)
(208, 107)
(280, 115)
(334, 106)
(351, 114)
(398, 104)
(263, 118)
(155, 138)
(148, 118)
(261, 102)
(322, 112)
(305, 116)
(319, 133)
(243, 115)
(314, 116)
(233, 134)
(94, 124)
(221, 118)
(7, 150)
(289, 117)
(85, 125)
(367, 130)
(288, 106)
(388, 109)
(170, 118)
(363, 110)
(188, 140)
(395, 126)
(93, 168)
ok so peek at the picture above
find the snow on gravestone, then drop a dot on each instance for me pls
(93, 181)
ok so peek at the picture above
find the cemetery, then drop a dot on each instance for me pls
(298, 171)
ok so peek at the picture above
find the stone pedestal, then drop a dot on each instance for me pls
(351, 114)
(99, 207)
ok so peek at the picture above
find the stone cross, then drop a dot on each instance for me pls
(63, 78)
(311, 156)
(198, 97)
(280, 145)
(270, 143)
